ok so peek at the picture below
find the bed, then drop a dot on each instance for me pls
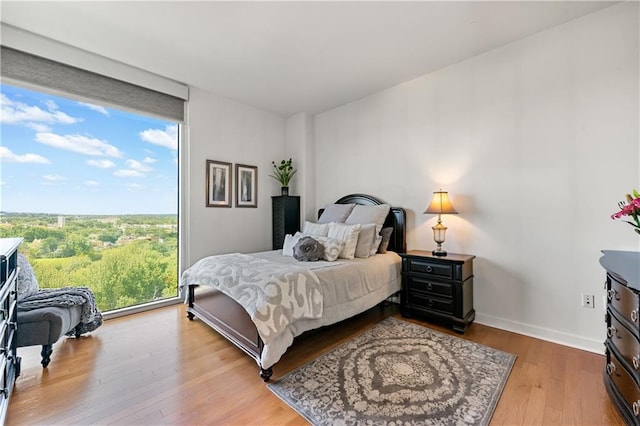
(315, 294)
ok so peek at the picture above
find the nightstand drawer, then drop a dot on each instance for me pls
(431, 268)
(424, 302)
(625, 342)
(623, 381)
(623, 300)
(431, 287)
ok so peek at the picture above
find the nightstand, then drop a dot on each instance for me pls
(438, 287)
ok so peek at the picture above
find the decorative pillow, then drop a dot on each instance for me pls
(369, 214)
(308, 250)
(366, 240)
(386, 236)
(332, 248)
(335, 213)
(26, 281)
(348, 234)
(319, 229)
(289, 242)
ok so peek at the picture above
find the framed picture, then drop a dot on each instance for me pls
(218, 184)
(246, 186)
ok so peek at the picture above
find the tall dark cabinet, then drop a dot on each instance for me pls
(286, 217)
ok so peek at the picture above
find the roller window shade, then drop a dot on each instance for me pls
(40, 71)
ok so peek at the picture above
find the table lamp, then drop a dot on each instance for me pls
(440, 204)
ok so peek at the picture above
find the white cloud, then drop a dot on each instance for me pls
(167, 138)
(133, 186)
(39, 127)
(138, 166)
(103, 164)
(149, 160)
(54, 178)
(97, 108)
(128, 173)
(91, 183)
(78, 143)
(14, 112)
(7, 156)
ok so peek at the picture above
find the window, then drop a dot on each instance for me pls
(93, 190)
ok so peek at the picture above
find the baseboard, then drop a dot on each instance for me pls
(555, 336)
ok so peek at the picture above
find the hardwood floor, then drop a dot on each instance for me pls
(158, 368)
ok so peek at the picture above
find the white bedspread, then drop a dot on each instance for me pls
(344, 288)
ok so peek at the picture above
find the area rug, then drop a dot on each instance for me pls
(399, 373)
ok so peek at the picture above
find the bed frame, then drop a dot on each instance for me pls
(228, 318)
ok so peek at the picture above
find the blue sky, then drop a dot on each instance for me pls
(62, 156)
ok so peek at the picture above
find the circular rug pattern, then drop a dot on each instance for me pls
(399, 373)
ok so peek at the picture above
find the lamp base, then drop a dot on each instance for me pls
(439, 253)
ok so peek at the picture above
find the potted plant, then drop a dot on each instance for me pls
(283, 173)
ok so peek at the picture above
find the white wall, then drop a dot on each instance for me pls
(299, 145)
(226, 130)
(536, 142)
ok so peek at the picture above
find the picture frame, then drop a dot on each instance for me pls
(219, 184)
(246, 186)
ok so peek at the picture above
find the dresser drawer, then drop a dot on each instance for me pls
(624, 383)
(434, 288)
(422, 301)
(431, 268)
(625, 342)
(623, 300)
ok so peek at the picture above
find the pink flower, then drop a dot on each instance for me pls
(631, 209)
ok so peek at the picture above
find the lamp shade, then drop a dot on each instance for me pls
(440, 204)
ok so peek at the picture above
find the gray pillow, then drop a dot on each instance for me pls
(386, 236)
(366, 239)
(335, 213)
(26, 281)
(369, 214)
(308, 250)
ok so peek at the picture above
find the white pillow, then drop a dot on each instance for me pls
(319, 229)
(348, 234)
(366, 240)
(289, 242)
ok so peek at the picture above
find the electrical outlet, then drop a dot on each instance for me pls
(588, 300)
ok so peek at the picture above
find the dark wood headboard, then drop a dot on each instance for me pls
(396, 219)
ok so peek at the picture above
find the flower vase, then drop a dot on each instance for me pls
(284, 190)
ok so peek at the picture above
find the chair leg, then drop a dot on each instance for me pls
(46, 355)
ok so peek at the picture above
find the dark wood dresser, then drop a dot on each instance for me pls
(9, 360)
(622, 347)
(285, 216)
(438, 287)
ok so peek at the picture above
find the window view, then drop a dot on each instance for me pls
(94, 193)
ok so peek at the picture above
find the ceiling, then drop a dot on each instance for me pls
(290, 57)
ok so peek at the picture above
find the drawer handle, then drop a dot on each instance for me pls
(430, 302)
(636, 361)
(611, 331)
(611, 294)
(429, 268)
(634, 315)
(611, 368)
(429, 286)
(636, 408)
